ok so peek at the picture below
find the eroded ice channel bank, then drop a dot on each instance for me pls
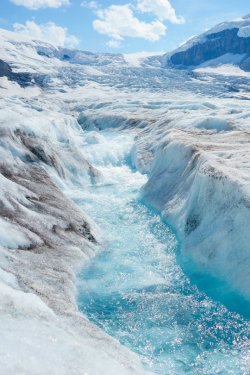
(140, 291)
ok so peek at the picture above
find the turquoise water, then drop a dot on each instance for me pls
(140, 290)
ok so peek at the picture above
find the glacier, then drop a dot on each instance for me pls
(120, 162)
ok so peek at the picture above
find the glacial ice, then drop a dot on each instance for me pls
(199, 183)
(191, 134)
(146, 294)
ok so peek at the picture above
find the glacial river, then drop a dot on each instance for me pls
(141, 291)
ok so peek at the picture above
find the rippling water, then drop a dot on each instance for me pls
(140, 290)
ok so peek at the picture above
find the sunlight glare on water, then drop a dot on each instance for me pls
(138, 291)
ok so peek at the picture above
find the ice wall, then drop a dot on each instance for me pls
(199, 181)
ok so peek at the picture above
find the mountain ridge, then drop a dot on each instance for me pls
(227, 37)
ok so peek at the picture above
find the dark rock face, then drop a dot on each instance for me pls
(5, 69)
(23, 79)
(216, 45)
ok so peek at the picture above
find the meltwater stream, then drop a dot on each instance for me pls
(138, 291)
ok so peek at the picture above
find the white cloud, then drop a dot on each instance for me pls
(36, 4)
(118, 20)
(91, 4)
(114, 44)
(161, 8)
(48, 31)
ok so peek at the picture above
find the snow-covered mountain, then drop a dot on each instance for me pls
(40, 56)
(226, 43)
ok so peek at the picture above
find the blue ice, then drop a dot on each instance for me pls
(139, 289)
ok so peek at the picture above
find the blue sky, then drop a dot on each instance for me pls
(117, 26)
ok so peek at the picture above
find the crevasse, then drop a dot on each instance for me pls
(141, 291)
